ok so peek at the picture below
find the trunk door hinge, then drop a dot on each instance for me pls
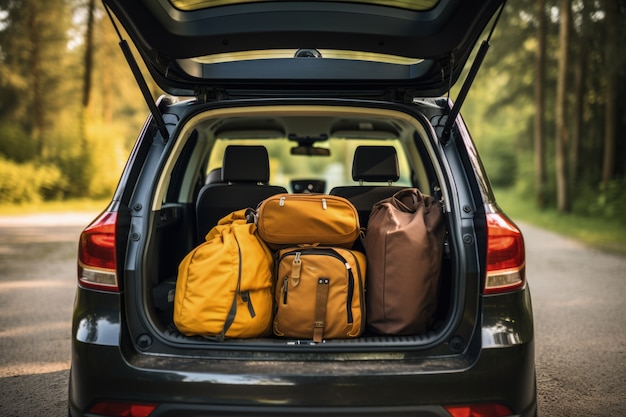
(480, 56)
(141, 82)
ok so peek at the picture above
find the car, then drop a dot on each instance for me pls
(308, 83)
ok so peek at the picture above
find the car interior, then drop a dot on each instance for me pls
(233, 162)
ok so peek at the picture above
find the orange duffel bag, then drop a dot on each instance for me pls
(295, 219)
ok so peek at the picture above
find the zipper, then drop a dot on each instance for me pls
(285, 289)
(281, 203)
(296, 267)
(328, 252)
(350, 292)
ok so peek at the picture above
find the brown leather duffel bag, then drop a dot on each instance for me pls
(404, 247)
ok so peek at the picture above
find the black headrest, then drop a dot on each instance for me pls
(214, 176)
(245, 164)
(375, 164)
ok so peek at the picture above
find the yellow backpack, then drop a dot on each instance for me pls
(224, 286)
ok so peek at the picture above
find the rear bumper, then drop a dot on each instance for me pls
(501, 375)
(501, 371)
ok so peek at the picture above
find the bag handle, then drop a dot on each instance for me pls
(407, 200)
(252, 216)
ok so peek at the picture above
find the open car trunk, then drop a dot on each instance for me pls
(196, 150)
(329, 75)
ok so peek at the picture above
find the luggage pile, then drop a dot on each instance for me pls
(289, 269)
(320, 281)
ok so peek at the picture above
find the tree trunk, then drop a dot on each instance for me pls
(36, 80)
(540, 70)
(563, 198)
(608, 163)
(580, 72)
(89, 49)
(109, 69)
(579, 86)
(82, 171)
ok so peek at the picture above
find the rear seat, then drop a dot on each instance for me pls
(245, 173)
(215, 176)
(371, 164)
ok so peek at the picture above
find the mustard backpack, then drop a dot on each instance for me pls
(224, 285)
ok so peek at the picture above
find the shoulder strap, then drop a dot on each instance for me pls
(230, 318)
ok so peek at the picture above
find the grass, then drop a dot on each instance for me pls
(77, 205)
(600, 233)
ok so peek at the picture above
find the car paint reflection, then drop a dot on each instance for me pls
(97, 330)
(501, 334)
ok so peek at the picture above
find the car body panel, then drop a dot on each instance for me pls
(96, 318)
(374, 384)
(125, 346)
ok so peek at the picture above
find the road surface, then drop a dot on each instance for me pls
(580, 326)
(578, 298)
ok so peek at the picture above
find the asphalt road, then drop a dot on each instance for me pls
(580, 326)
(578, 298)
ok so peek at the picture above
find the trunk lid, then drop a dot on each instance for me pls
(191, 47)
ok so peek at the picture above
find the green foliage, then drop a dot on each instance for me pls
(500, 163)
(29, 182)
(603, 232)
(525, 180)
(15, 143)
(606, 201)
(32, 41)
(501, 104)
(53, 147)
(106, 158)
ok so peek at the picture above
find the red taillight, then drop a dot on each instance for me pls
(96, 254)
(478, 410)
(505, 255)
(122, 409)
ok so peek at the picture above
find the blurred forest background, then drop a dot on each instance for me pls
(547, 110)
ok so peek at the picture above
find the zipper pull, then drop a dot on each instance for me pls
(285, 289)
(324, 205)
(350, 315)
(296, 268)
(281, 202)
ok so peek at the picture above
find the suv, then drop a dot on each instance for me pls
(309, 82)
